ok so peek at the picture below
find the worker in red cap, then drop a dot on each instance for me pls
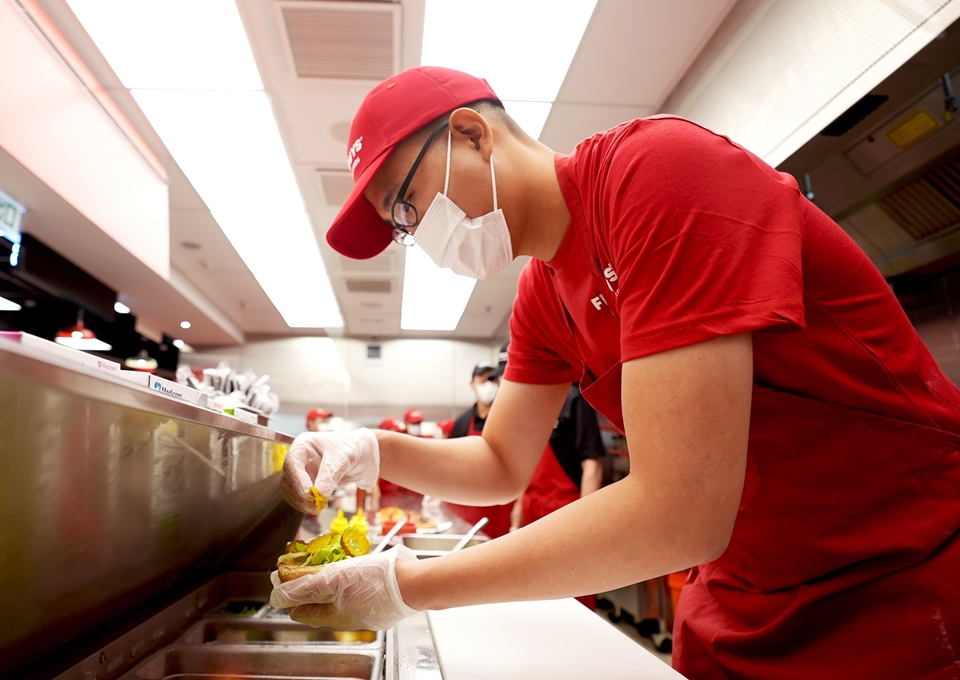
(790, 436)
(471, 422)
(445, 428)
(393, 494)
(392, 425)
(318, 419)
(412, 419)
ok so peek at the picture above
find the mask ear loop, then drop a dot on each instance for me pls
(493, 180)
(446, 180)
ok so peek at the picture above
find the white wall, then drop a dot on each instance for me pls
(780, 70)
(431, 375)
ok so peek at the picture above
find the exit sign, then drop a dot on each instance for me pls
(10, 214)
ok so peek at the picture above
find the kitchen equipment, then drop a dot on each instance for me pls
(390, 536)
(470, 534)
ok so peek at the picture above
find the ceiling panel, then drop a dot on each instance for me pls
(631, 56)
(634, 51)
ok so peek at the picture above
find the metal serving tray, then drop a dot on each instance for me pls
(197, 662)
(262, 631)
(436, 545)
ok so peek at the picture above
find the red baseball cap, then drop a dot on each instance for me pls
(413, 416)
(393, 425)
(391, 112)
(318, 413)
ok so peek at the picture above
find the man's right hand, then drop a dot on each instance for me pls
(328, 460)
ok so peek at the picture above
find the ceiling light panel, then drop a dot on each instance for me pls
(535, 42)
(172, 44)
(189, 66)
(433, 298)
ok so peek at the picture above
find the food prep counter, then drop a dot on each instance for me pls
(137, 534)
(115, 499)
(227, 629)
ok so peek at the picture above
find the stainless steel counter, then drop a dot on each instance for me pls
(109, 494)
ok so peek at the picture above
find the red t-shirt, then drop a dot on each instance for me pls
(851, 497)
(678, 236)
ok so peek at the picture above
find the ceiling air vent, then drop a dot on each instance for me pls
(342, 40)
(369, 285)
(928, 204)
(849, 118)
(336, 186)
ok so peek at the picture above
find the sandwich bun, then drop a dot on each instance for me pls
(289, 572)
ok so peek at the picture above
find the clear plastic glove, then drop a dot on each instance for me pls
(357, 594)
(328, 460)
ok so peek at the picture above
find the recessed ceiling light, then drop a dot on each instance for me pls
(341, 131)
(185, 325)
(178, 343)
(120, 308)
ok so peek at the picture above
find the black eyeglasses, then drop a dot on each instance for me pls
(404, 214)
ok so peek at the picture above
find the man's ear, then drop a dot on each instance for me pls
(470, 124)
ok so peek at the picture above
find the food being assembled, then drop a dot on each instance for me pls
(304, 558)
(318, 499)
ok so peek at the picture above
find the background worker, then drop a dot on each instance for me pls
(413, 421)
(570, 466)
(754, 357)
(318, 419)
(484, 384)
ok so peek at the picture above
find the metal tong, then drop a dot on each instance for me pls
(470, 534)
(390, 535)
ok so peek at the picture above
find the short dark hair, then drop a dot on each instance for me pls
(490, 108)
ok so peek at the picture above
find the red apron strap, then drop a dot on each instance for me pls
(550, 488)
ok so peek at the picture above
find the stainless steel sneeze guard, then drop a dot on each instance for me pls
(110, 492)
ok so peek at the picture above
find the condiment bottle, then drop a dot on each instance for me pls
(339, 523)
(359, 522)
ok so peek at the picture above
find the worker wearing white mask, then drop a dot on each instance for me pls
(485, 382)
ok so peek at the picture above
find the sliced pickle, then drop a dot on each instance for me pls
(321, 541)
(354, 542)
(296, 546)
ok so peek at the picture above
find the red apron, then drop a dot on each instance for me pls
(847, 567)
(499, 515)
(550, 489)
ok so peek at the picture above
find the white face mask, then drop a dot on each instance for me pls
(477, 247)
(487, 392)
(414, 429)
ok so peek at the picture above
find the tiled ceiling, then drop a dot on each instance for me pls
(632, 54)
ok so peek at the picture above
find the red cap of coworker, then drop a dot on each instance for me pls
(318, 413)
(391, 112)
(413, 416)
(393, 425)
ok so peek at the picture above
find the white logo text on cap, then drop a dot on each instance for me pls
(353, 155)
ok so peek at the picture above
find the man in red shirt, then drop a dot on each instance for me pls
(790, 435)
